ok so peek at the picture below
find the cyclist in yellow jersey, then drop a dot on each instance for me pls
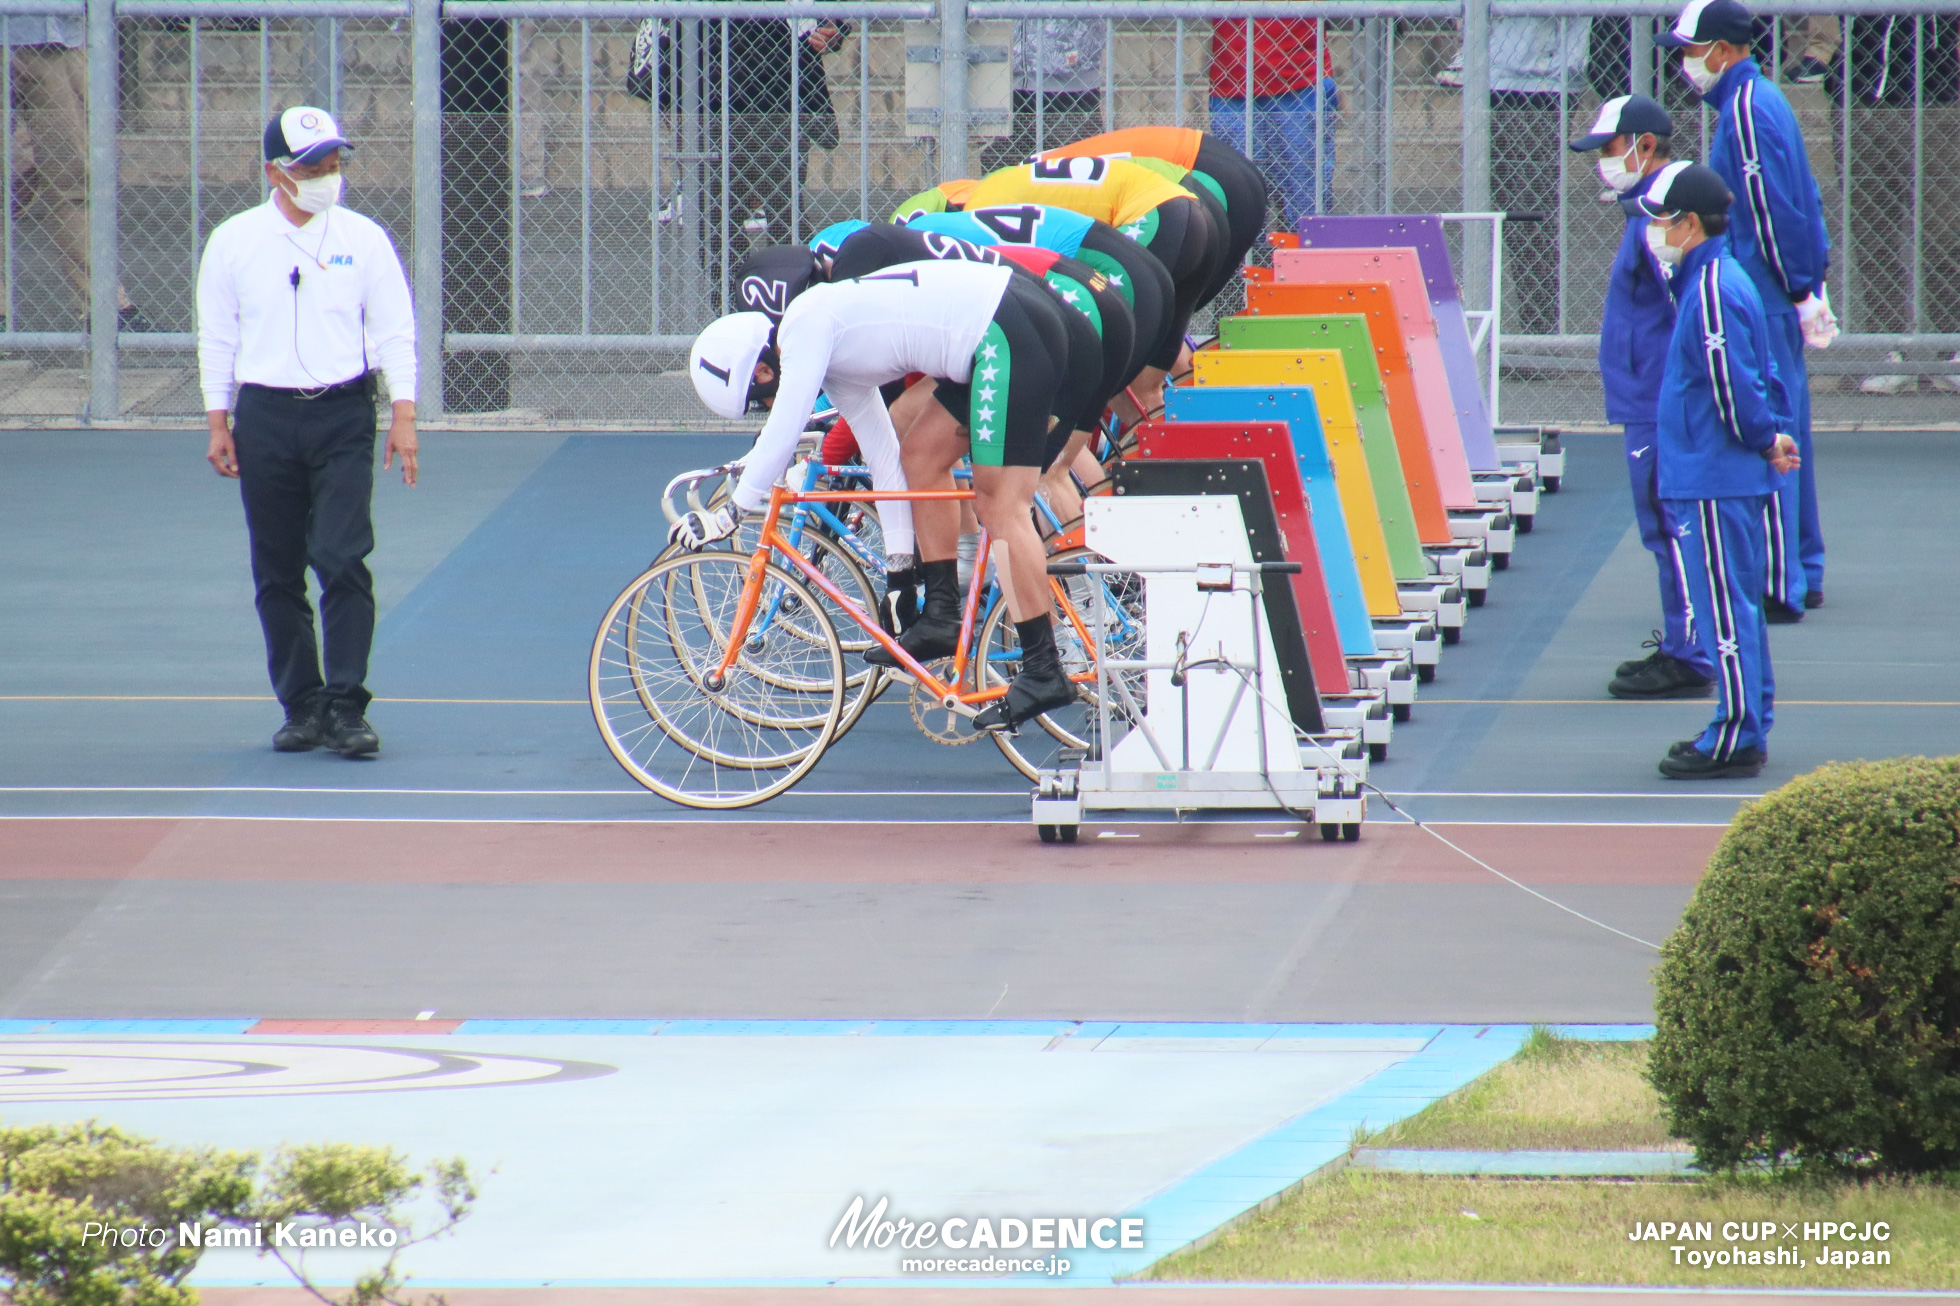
(1201, 163)
(1164, 218)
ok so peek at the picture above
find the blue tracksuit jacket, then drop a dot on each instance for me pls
(1777, 222)
(1722, 403)
(1639, 319)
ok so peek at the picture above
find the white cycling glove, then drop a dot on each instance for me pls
(1814, 317)
(697, 530)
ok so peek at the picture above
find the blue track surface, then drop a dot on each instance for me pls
(129, 556)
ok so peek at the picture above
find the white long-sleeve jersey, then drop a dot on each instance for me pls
(847, 339)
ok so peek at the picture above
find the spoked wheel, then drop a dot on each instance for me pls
(1039, 743)
(838, 562)
(693, 737)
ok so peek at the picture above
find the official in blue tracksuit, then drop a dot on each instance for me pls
(1777, 234)
(1632, 136)
(1724, 447)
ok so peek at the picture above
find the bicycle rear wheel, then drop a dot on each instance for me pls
(701, 744)
(1039, 743)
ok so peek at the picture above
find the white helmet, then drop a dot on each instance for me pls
(722, 362)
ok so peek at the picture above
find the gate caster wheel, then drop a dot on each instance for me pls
(1402, 711)
(1378, 752)
(1351, 832)
(1047, 833)
(1329, 832)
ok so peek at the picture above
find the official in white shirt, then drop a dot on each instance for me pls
(299, 301)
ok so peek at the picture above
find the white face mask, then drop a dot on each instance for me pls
(1695, 68)
(1669, 255)
(316, 194)
(1623, 172)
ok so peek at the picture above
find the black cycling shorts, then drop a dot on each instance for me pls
(1245, 199)
(1022, 379)
(1182, 238)
(1110, 317)
(1144, 277)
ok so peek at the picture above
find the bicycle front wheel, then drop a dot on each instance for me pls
(672, 726)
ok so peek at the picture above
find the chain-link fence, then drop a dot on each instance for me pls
(595, 168)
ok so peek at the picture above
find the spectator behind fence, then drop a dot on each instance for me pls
(1058, 69)
(1883, 91)
(1293, 106)
(50, 77)
(761, 159)
(1531, 62)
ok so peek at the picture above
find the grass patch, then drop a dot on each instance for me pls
(1557, 1094)
(1387, 1228)
(1568, 1094)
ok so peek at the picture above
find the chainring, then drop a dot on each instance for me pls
(940, 724)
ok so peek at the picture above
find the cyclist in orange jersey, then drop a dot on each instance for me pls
(1198, 159)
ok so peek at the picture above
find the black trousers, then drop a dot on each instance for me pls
(306, 472)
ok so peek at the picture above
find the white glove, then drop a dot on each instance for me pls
(697, 530)
(1815, 319)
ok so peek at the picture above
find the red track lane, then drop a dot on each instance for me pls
(411, 852)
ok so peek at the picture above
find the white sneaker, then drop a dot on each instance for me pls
(672, 210)
(757, 223)
(1950, 382)
(1891, 384)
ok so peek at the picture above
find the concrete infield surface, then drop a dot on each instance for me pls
(686, 1042)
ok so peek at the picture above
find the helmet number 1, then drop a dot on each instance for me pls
(1014, 226)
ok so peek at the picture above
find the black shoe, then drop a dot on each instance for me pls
(1632, 666)
(1813, 599)
(1662, 677)
(303, 732)
(900, 610)
(1809, 72)
(1781, 614)
(936, 634)
(1040, 686)
(348, 733)
(132, 319)
(1686, 762)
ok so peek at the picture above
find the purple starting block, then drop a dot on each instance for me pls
(1424, 234)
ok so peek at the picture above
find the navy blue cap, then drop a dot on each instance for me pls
(1710, 20)
(1629, 115)
(1685, 188)
(302, 134)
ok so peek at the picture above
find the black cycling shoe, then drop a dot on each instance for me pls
(1781, 614)
(1662, 676)
(1633, 665)
(348, 732)
(1040, 686)
(1686, 762)
(1813, 599)
(303, 732)
(936, 633)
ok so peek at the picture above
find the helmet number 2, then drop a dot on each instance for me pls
(1014, 226)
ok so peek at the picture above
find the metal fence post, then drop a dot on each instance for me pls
(103, 273)
(1476, 140)
(952, 89)
(426, 273)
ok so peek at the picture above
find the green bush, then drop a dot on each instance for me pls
(1808, 1006)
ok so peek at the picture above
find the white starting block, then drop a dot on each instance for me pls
(1204, 709)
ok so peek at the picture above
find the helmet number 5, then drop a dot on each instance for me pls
(1081, 171)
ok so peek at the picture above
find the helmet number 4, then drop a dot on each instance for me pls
(1014, 226)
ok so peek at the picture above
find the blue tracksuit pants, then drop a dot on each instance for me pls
(1657, 533)
(1723, 559)
(1796, 544)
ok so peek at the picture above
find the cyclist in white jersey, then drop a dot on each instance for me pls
(997, 346)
